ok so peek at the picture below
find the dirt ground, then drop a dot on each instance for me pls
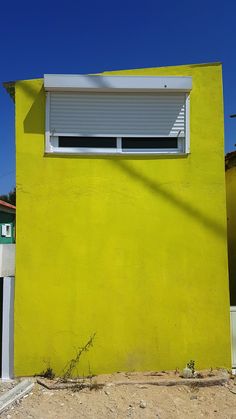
(127, 401)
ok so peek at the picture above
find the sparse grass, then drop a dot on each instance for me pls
(48, 373)
(78, 387)
(73, 363)
(95, 386)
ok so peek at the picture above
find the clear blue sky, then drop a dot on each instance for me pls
(93, 36)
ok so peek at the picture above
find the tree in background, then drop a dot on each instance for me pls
(10, 197)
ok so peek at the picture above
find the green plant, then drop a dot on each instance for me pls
(93, 385)
(90, 374)
(191, 365)
(48, 373)
(73, 363)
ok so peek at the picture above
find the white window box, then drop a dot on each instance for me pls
(117, 115)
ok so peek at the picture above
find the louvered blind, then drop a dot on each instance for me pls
(117, 114)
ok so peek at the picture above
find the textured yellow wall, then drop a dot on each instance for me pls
(132, 248)
(231, 216)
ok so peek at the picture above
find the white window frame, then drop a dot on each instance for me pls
(4, 232)
(8, 328)
(123, 84)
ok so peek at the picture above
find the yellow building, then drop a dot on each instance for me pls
(121, 221)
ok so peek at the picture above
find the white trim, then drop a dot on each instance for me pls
(3, 230)
(54, 142)
(63, 134)
(177, 129)
(48, 146)
(84, 151)
(7, 327)
(76, 82)
(187, 124)
(8, 230)
(113, 151)
(119, 144)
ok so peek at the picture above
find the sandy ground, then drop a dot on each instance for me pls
(7, 385)
(127, 401)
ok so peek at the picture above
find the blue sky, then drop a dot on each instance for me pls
(91, 36)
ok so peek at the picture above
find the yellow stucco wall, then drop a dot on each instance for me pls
(231, 216)
(132, 248)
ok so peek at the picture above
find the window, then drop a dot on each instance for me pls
(6, 230)
(87, 142)
(118, 144)
(102, 115)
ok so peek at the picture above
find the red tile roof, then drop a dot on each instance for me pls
(7, 205)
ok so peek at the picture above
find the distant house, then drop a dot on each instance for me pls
(7, 279)
(230, 176)
(7, 222)
(121, 220)
(230, 173)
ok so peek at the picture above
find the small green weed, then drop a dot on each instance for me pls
(73, 363)
(48, 373)
(191, 365)
(95, 386)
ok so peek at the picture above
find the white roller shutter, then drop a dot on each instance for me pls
(117, 113)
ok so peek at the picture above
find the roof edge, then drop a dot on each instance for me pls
(10, 88)
(208, 64)
(10, 85)
(230, 160)
(7, 206)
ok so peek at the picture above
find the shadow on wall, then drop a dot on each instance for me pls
(34, 123)
(175, 116)
(158, 189)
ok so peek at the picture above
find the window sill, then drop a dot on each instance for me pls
(115, 153)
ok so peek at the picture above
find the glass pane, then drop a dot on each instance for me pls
(87, 142)
(149, 143)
